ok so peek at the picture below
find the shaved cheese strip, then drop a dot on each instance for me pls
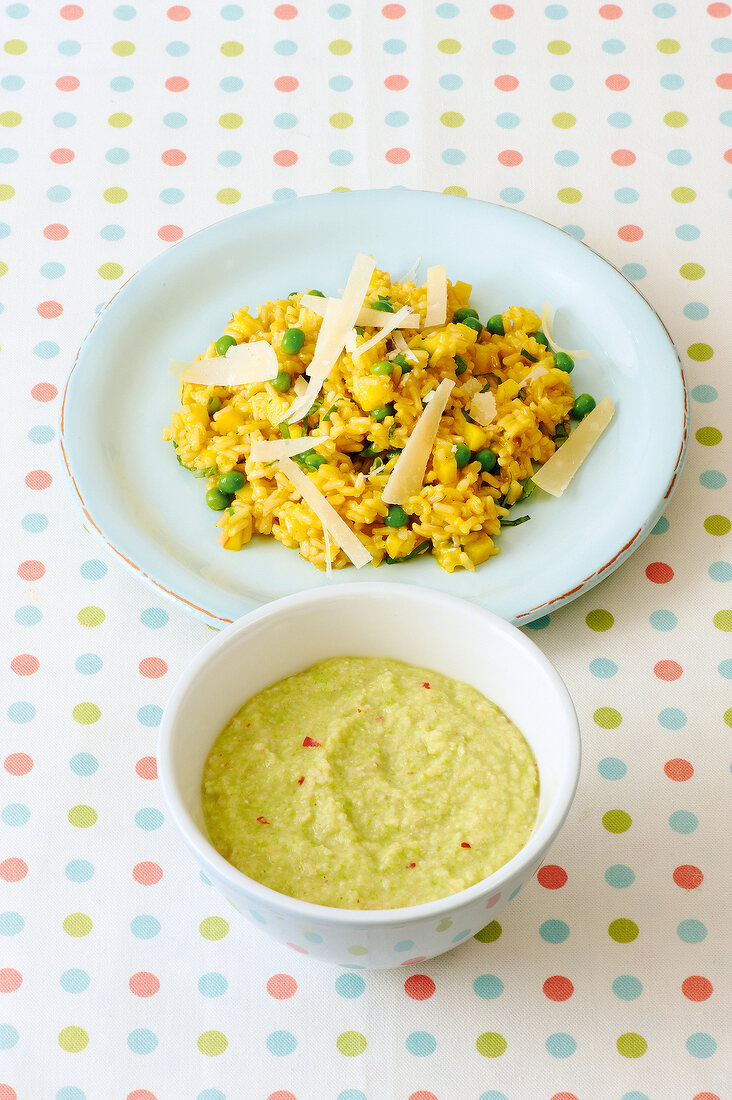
(368, 317)
(351, 341)
(411, 275)
(537, 372)
(242, 365)
(340, 317)
(547, 320)
(483, 408)
(348, 541)
(436, 296)
(271, 450)
(408, 474)
(393, 321)
(300, 386)
(402, 348)
(556, 474)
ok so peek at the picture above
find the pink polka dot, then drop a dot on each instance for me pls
(282, 1094)
(724, 80)
(659, 572)
(678, 769)
(147, 874)
(396, 83)
(501, 11)
(144, 984)
(44, 391)
(153, 667)
(71, 11)
(668, 670)
(728, 155)
(141, 1094)
(179, 13)
(422, 1095)
(18, 763)
(610, 11)
(510, 158)
(7, 1092)
(397, 155)
(630, 233)
(170, 232)
(296, 947)
(25, 664)
(617, 82)
(393, 11)
(173, 157)
(493, 901)
(147, 767)
(623, 158)
(38, 479)
(688, 877)
(413, 962)
(67, 83)
(719, 11)
(176, 84)
(281, 986)
(61, 156)
(31, 570)
(56, 232)
(286, 83)
(13, 869)
(285, 11)
(285, 158)
(564, 1096)
(49, 310)
(419, 987)
(10, 980)
(506, 83)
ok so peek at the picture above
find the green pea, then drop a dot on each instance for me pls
(494, 325)
(465, 311)
(213, 406)
(396, 516)
(317, 293)
(400, 360)
(370, 451)
(540, 338)
(462, 455)
(217, 500)
(487, 460)
(282, 382)
(583, 405)
(384, 366)
(231, 482)
(564, 362)
(224, 343)
(382, 412)
(474, 323)
(315, 460)
(383, 306)
(292, 341)
(460, 365)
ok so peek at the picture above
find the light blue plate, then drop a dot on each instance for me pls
(119, 395)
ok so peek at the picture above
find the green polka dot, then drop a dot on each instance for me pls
(358, 949)
(723, 620)
(212, 1043)
(617, 821)
(675, 119)
(455, 190)
(607, 718)
(599, 620)
(228, 195)
(214, 928)
(623, 930)
(491, 1044)
(727, 717)
(692, 271)
(341, 120)
(15, 47)
(83, 817)
(569, 194)
(10, 118)
(351, 1043)
(231, 49)
(708, 437)
(334, 189)
(699, 352)
(86, 714)
(683, 194)
(115, 195)
(717, 525)
(123, 49)
(91, 616)
(6, 192)
(449, 45)
(668, 45)
(563, 120)
(3, 269)
(77, 925)
(631, 1045)
(452, 119)
(558, 47)
(119, 120)
(339, 47)
(73, 1039)
(490, 933)
(230, 121)
(110, 271)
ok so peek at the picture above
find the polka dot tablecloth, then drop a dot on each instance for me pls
(122, 973)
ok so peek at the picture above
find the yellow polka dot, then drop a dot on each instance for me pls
(692, 271)
(453, 189)
(231, 49)
(212, 1043)
(86, 714)
(675, 119)
(115, 194)
(341, 120)
(3, 269)
(82, 817)
(214, 928)
(230, 121)
(452, 119)
(491, 1044)
(668, 45)
(334, 189)
(228, 195)
(631, 1045)
(119, 120)
(558, 47)
(15, 47)
(6, 192)
(569, 194)
(683, 194)
(351, 1043)
(563, 120)
(110, 271)
(91, 616)
(10, 118)
(339, 47)
(73, 1039)
(449, 45)
(723, 620)
(123, 49)
(77, 925)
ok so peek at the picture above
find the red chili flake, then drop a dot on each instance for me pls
(465, 844)
(308, 743)
(262, 820)
(301, 779)
(411, 865)
(426, 685)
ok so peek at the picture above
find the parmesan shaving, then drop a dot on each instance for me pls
(393, 321)
(348, 541)
(547, 320)
(243, 365)
(408, 474)
(300, 386)
(367, 317)
(436, 296)
(402, 348)
(483, 408)
(556, 474)
(271, 450)
(411, 275)
(537, 372)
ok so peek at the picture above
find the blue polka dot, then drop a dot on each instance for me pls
(75, 981)
(11, 924)
(561, 1045)
(232, 11)
(450, 82)
(626, 195)
(211, 1094)
(112, 232)
(691, 931)
(404, 945)
(283, 193)
(695, 311)
(17, 11)
(142, 1041)
(566, 158)
(350, 986)
(93, 569)
(281, 1043)
(561, 82)
(539, 624)
(21, 712)
(79, 870)
(70, 1092)
(701, 1045)
(613, 45)
(285, 48)
(339, 11)
(493, 1095)
(507, 120)
(212, 984)
(453, 156)
(154, 617)
(726, 118)
(660, 527)
(124, 12)
(149, 818)
(28, 615)
(488, 986)
(175, 120)
(554, 931)
(46, 349)
(206, 881)
(12, 83)
(83, 763)
(311, 937)
(421, 1044)
(555, 11)
(672, 82)
(724, 668)
(52, 270)
(121, 84)
(671, 718)
(4, 230)
(229, 158)
(447, 11)
(8, 1036)
(285, 121)
(664, 11)
(41, 433)
(633, 271)
(394, 46)
(144, 927)
(171, 195)
(69, 48)
(462, 935)
(150, 715)
(712, 479)
(619, 119)
(619, 876)
(720, 571)
(503, 46)
(662, 620)
(64, 119)
(396, 118)
(15, 814)
(177, 49)
(340, 157)
(351, 1094)
(683, 821)
(611, 767)
(340, 83)
(231, 84)
(704, 394)
(117, 156)
(679, 157)
(603, 667)
(513, 893)
(627, 988)
(260, 919)
(722, 45)
(511, 194)
(574, 231)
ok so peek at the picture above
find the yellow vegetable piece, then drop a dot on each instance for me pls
(444, 464)
(462, 291)
(507, 391)
(228, 421)
(480, 549)
(474, 436)
(373, 393)
(235, 542)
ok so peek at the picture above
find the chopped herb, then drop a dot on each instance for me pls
(401, 361)
(527, 355)
(467, 417)
(505, 496)
(521, 395)
(383, 297)
(359, 329)
(408, 557)
(292, 293)
(377, 464)
(317, 293)
(285, 430)
(561, 434)
(460, 365)
(230, 511)
(529, 487)
(332, 409)
(515, 522)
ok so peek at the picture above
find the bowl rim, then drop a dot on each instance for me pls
(310, 912)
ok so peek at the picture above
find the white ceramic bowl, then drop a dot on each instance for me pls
(416, 625)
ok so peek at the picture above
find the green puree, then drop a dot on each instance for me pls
(366, 783)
